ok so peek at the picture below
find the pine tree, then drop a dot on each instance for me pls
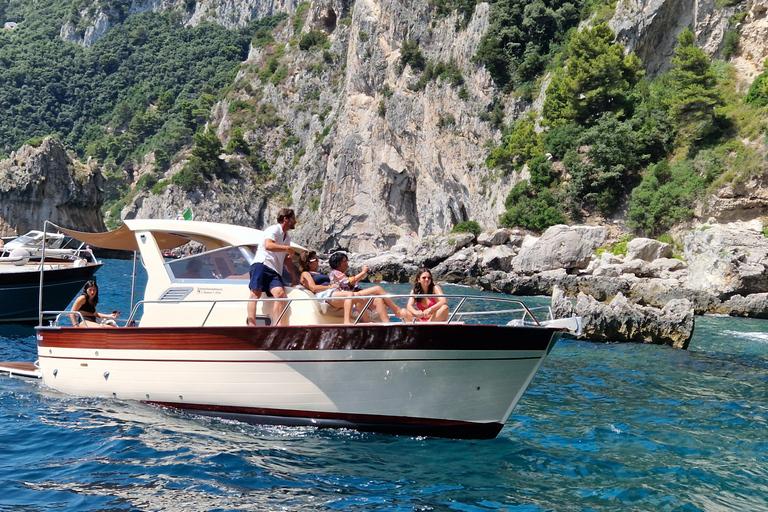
(598, 78)
(695, 97)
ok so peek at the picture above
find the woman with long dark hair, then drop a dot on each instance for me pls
(86, 303)
(320, 284)
(427, 309)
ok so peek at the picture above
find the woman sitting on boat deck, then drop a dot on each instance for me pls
(339, 264)
(85, 303)
(320, 284)
(427, 309)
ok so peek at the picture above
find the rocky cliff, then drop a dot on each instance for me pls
(367, 159)
(48, 183)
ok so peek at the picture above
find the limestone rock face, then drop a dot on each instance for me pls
(47, 183)
(228, 13)
(752, 48)
(621, 320)
(560, 247)
(727, 259)
(650, 28)
(736, 202)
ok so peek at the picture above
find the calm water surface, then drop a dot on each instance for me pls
(603, 427)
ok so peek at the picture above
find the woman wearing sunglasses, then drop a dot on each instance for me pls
(320, 284)
(427, 309)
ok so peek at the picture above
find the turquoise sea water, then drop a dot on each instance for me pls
(603, 427)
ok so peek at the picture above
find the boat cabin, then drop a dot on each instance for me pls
(205, 289)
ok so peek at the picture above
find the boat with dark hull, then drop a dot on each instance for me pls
(65, 271)
(186, 347)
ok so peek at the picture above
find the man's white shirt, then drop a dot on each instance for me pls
(273, 260)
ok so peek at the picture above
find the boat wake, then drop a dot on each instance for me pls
(752, 336)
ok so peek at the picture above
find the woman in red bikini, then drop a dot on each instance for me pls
(427, 309)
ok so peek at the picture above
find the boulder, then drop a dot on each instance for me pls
(516, 240)
(727, 259)
(389, 266)
(463, 268)
(647, 249)
(498, 237)
(497, 257)
(622, 321)
(635, 266)
(607, 271)
(437, 249)
(560, 246)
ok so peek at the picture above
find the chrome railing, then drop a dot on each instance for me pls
(457, 312)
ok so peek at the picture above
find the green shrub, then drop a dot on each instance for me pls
(730, 43)
(531, 209)
(187, 178)
(522, 145)
(160, 187)
(147, 181)
(758, 91)
(469, 226)
(664, 197)
(410, 54)
(620, 248)
(313, 38)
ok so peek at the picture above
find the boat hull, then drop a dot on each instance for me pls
(19, 291)
(460, 381)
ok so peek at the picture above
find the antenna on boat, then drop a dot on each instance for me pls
(42, 273)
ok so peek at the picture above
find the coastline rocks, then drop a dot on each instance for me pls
(726, 267)
(561, 246)
(727, 260)
(621, 320)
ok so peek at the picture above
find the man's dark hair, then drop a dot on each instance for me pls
(285, 213)
(335, 260)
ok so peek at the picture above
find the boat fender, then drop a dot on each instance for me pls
(22, 255)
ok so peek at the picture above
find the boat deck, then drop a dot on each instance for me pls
(21, 369)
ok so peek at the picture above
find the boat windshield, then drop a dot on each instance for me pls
(35, 239)
(226, 263)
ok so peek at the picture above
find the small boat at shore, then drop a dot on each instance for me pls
(64, 270)
(186, 346)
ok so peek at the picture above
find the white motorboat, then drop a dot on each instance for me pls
(65, 270)
(186, 346)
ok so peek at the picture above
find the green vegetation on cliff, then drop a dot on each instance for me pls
(149, 83)
(656, 148)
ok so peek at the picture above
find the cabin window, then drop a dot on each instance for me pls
(227, 263)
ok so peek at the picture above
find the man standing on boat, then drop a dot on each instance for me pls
(267, 268)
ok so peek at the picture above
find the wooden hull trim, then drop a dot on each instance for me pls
(300, 338)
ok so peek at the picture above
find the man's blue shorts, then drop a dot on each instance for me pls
(264, 279)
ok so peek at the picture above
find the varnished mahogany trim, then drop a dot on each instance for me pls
(291, 361)
(364, 422)
(18, 365)
(333, 337)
